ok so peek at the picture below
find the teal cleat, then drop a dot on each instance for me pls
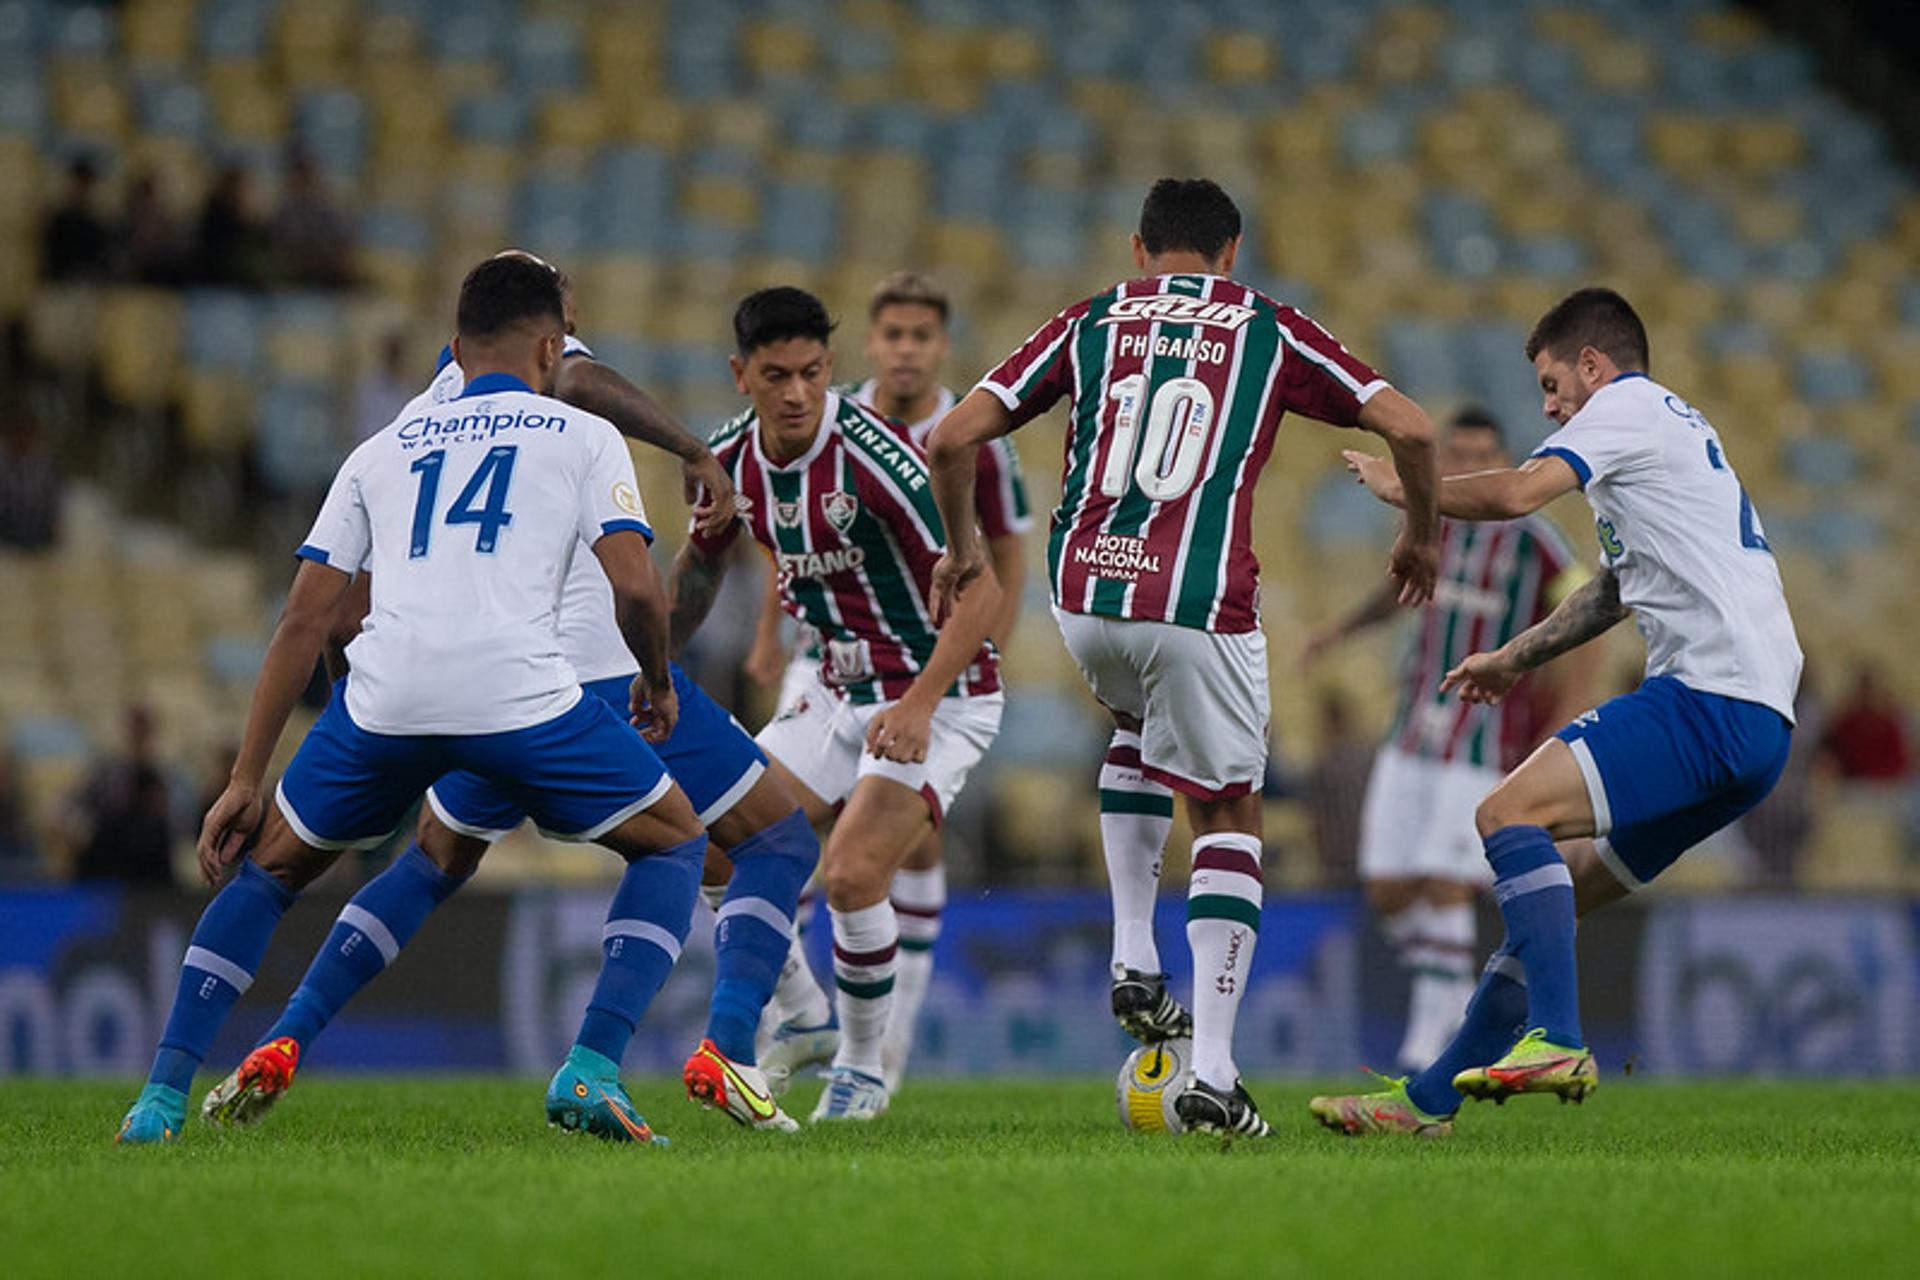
(156, 1116)
(586, 1096)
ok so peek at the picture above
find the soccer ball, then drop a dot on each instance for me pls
(1150, 1077)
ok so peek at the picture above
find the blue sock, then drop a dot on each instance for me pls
(381, 919)
(226, 949)
(756, 927)
(1535, 892)
(646, 926)
(1495, 1018)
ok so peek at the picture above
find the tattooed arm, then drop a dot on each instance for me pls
(694, 582)
(1486, 677)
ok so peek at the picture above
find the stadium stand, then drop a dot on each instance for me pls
(1423, 178)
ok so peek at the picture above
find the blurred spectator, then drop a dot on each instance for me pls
(19, 856)
(1336, 786)
(1867, 738)
(1778, 827)
(385, 389)
(123, 817)
(151, 251)
(75, 242)
(31, 485)
(310, 239)
(232, 243)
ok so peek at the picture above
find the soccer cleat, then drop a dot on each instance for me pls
(850, 1095)
(1205, 1109)
(793, 1048)
(252, 1088)
(156, 1116)
(1535, 1065)
(1387, 1111)
(715, 1080)
(586, 1096)
(1145, 1011)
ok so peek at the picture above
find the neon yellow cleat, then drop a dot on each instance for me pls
(1535, 1065)
(1387, 1111)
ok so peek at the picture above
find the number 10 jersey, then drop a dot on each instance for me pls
(1177, 385)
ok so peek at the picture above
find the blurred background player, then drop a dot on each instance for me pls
(1420, 858)
(470, 515)
(1178, 382)
(1647, 775)
(841, 496)
(768, 848)
(907, 345)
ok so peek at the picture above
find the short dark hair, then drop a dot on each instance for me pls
(1597, 318)
(908, 289)
(505, 291)
(1188, 213)
(1473, 417)
(767, 316)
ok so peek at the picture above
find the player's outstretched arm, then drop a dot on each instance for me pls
(640, 604)
(1504, 494)
(901, 731)
(767, 660)
(1008, 556)
(694, 581)
(297, 640)
(1382, 604)
(348, 616)
(1588, 612)
(590, 385)
(1414, 563)
(978, 418)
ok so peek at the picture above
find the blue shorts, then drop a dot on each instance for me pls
(713, 759)
(1667, 766)
(578, 775)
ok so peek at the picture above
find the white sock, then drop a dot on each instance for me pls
(866, 944)
(1223, 924)
(1441, 960)
(1135, 817)
(713, 894)
(797, 997)
(918, 899)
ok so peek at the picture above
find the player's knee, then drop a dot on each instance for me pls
(1496, 811)
(853, 879)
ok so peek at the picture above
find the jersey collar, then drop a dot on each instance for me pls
(829, 414)
(1622, 377)
(492, 383)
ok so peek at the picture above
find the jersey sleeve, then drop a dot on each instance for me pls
(1000, 491)
(1599, 446)
(1319, 377)
(342, 534)
(727, 448)
(572, 346)
(1031, 380)
(610, 500)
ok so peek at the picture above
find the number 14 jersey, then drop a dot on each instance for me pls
(1177, 385)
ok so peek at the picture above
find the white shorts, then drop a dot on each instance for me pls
(1418, 819)
(823, 741)
(1200, 696)
(802, 680)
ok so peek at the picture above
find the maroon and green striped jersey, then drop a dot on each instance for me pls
(854, 531)
(1177, 385)
(1497, 578)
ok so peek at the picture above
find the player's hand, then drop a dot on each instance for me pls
(1382, 481)
(766, 662)
(1317, 643)
(656, 708)
(951, 577)
(1414, 567)
(1483, 677)
(900, 733)
(230, 824)
(709, 491)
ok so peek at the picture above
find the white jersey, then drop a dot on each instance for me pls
(468, 512)
(1681, 534)
(589, 630)
(867, 393)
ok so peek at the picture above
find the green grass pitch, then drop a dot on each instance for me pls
(437, 1176)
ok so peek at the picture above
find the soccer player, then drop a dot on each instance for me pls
(1647, 775)
(907, 344)
(749, 814)
(840, 496)
(1419, 854)
(1178, 381)
(469, 516)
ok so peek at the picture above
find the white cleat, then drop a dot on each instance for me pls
(850, 1095)
(792, 1049)
(714, 1080)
